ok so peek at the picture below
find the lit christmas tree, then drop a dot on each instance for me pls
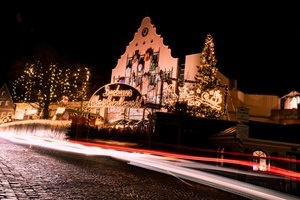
(47, 79)
(207, 83)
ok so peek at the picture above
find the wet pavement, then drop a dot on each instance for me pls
(31, 172)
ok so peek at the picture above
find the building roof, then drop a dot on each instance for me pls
(227, 132)
(291, 94)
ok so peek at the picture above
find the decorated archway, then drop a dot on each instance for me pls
(117, 101)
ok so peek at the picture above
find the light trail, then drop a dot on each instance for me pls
(178, 165)
(277, 172)
(237, 187)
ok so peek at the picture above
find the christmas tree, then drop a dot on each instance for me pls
(207, 83)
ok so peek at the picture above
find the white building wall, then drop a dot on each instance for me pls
(145, 38)
(261, 105)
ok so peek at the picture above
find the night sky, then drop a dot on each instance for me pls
(258, 45)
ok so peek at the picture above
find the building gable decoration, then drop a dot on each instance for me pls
(143, 61)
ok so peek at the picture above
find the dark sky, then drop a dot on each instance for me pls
(258, 45)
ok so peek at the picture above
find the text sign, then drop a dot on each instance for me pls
(242, 114)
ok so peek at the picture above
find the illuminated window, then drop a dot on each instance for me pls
(259, 161)
(294, 103)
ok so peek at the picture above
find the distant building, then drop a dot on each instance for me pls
(24, 111)
(7, 107)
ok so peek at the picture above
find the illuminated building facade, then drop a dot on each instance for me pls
(146, 65)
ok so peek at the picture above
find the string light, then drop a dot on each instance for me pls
(204, 99)
(47, 84)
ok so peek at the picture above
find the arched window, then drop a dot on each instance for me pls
(260, 161)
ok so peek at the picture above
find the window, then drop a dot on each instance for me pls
(259, 161)
(152, 79)
(138, 80)
(291, 162)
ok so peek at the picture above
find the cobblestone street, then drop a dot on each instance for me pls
(28, 172)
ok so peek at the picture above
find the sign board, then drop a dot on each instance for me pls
(116, 95)
(242, 114)
(242, 131)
